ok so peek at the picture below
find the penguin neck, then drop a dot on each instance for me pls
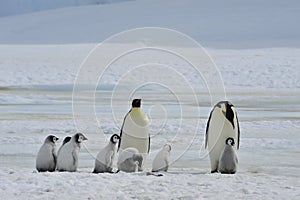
(111, 145)
(136, 109)
(75, 143)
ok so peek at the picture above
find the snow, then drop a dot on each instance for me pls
(40, 57)
(36, 100)
(179, 185)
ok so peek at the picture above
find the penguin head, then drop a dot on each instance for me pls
(230, 141)
(51, 139)
(114, 138)
(138, 158)
(79, 137)
(66, 140)
(136, 103)
(228, 110)
(167, 147)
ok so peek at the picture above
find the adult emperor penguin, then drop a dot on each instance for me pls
(228, 160)
(161, 160)
(66, 140)
(130, 160)
(46, 158)
(135, 130)
(222, 124)
(105, 157)
(67, 159)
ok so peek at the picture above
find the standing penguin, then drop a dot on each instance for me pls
(228, 160)
(66, 140)
(222, 124)
(46, 158)
(130, 160)
(135, 130)
(67, 159)
(105, 157)
(161, 160)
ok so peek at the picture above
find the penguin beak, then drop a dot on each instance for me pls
(224, 111)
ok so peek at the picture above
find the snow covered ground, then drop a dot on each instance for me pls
(36, 100)
(38, 69)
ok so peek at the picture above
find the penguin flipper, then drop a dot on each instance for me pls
(54, 156)
(238, 126)
(75, 158)
(109, 158)
(119, 145)
(207, 127)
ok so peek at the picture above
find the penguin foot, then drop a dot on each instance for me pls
(227, 172)
(214, 171)
(153, 174)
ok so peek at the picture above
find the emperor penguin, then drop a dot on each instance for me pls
(67, 159)
(162, 159)
(222, 124)
(228, 159)
(135, 130)
(66, 140)
(130, 160)
(46, 158)
(105, 157)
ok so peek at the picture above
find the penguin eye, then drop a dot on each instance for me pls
(80, 139)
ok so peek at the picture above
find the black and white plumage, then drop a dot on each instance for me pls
(228, 161)
(67, 159)
(105, 157)
(46, 158)
(161, 160)
(130, 160)
(222, 124)
(135, 130)
(66, 140)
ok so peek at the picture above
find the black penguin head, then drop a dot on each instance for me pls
(227, 110)
(136, 103)
(114, 138)
(66, 140)
(51, 138)
(79, 137)
(230, 141)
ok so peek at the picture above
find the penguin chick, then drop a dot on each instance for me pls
(67, 159)
(66, 140)
(105, 157)
(228, 160)
(46, 158)
(161, 160)
(130, 160)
